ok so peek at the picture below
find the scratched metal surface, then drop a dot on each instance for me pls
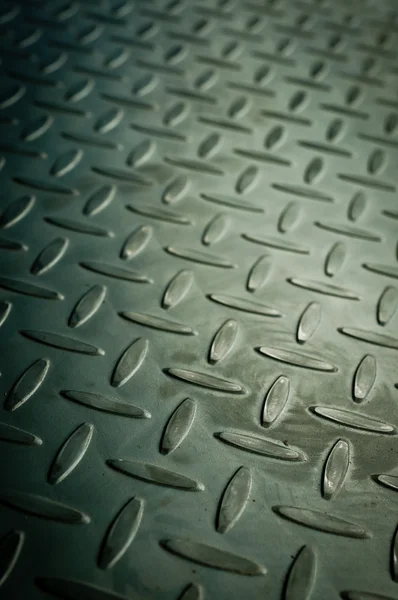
(198, 329)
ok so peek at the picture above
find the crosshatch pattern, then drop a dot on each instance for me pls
(198, 299)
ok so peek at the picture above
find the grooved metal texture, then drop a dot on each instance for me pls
(198, 299)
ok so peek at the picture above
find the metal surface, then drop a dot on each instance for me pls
(198, 328)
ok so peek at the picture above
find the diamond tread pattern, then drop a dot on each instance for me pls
(197, 299)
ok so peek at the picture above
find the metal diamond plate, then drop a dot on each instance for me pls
(198, 299)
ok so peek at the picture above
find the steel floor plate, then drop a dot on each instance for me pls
(198, 331)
